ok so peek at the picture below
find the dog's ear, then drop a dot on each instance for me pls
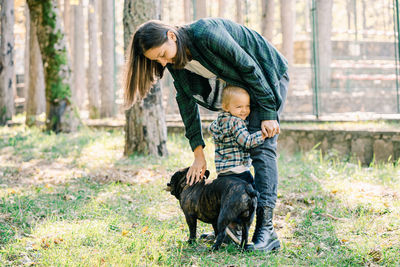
(207, 173)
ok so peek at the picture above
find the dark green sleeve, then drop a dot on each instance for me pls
(189, 111)
(221, 43)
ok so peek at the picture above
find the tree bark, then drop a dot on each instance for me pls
(26, 54)
(78, 63)
(6, 61)
(288, 16)
(324, 30)
(107, 59)
(67, 24)
(200, 9)
(187, 8)
(35, 101)
(93, 72)
(267, 20)
(60, 114)
(239, 12)
(145, 129)
(222, 8)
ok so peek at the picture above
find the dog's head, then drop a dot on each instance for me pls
(178, 182)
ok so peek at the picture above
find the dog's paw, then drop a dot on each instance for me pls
(215, 247)
(191, 241)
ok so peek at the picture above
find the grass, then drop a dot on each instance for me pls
(74, 200)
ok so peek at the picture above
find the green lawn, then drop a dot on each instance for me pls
(74, 200)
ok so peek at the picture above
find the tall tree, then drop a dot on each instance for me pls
(288, 17)
(67, 17)
(93, 71)
(35, 101)
(26, 54)
(60, 115)
(222, 8)
(107, 58)
(324, 32)
(78, 59)
(267, 19)
(145, 129)
(6, 61)
(187, 9)
(200, 9)
(239, 12)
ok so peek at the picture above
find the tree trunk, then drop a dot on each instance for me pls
(145, 129)
(35, 101)
(222, 8)
(78, 63)
(60, 114)
(68, 16)
(324, 26)
(267, 20)
(6, 61)
(26, 54)
(107, 59)
(187, 8)
(93, 72)
(200, 9)
(239, 12)
(288, 16)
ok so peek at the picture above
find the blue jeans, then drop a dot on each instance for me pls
(264, 158)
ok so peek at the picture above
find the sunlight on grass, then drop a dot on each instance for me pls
(75, 200)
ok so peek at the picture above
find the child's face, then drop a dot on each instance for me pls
(239, 105)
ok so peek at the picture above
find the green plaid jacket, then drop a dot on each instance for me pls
(239, 56)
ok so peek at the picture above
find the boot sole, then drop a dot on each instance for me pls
(274, 245)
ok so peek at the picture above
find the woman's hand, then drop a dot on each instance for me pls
(270, 128)
(198, 168)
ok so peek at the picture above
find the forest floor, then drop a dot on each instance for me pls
(75, 200)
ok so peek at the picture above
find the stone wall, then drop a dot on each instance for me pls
(366, 145)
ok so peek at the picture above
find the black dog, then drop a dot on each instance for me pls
(219, 202)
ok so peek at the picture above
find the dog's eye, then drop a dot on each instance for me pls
(169, 184)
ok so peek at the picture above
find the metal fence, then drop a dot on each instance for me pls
(364, 59)
(362, 65)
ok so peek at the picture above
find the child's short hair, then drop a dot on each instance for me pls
(229, 91)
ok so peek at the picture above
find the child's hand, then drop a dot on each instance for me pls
(264, 136)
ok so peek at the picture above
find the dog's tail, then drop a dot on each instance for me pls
(254, 195)
(251, 191)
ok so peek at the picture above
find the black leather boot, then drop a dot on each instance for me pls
(265, 237)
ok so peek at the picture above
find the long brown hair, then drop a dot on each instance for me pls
(141, 72)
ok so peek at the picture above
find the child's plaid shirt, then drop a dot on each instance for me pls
(232, 142)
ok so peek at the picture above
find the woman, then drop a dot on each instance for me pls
(200, 57)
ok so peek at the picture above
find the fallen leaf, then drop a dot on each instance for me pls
(124, 232)
(334, 191)
(144, 229)
(11, 191)
(45, 243)
(57, 240)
